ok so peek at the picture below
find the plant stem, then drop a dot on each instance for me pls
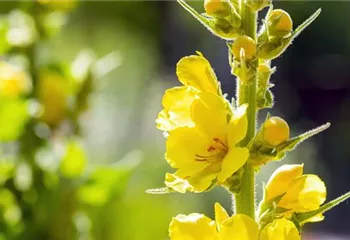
(245, 200)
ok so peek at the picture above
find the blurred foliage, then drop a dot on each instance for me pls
(48, 188)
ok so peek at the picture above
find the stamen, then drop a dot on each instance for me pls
(217, 140)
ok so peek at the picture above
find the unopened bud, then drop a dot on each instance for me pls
(223, 29)
(279, 23)
(217, 8)
(247, 44)
(257, 5)
(275, 131)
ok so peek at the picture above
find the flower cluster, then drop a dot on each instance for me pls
(212, 141)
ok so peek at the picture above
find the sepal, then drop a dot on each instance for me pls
(306, 216)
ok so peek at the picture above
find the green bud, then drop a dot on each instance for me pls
(257, 5)
(273, 49)
(222, 28)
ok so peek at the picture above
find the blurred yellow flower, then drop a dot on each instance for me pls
(59, 5)
(206, 150)
(196, 74)
(280, 229)
(13, 80)
(294, 191)
(197, 226)
(53, 91)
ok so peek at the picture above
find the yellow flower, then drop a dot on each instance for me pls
(297, 192)
(199, 227)
(207, 150)
(280, 229)
(13, 80)
(196, 74)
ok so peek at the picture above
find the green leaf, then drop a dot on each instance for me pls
(294, 142)
(305, 24)
(303, 217)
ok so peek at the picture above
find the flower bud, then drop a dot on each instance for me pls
(217, 8)
(223, 28)
(247, 44)
(257, 5)
(279, 23)
(275, 131)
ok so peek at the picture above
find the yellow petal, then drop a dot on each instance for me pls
(281, 179)
(178, 184)
(182, 146)
(220, 215)
(234, 160)
(202, 180)
(305, 193)
(280, 229)
(196, 71)
(239, 227)
(192, 227)
(238, 125)
(209, 114)
(177, 102)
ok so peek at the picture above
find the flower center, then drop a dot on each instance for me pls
(217, 150)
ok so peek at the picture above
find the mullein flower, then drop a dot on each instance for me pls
(207, 151)
(197, 226)
(290, 191)
(196, 74)
(203, 130)
(280, 229)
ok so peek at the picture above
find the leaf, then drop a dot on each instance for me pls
(303, 217)
(305, 24)
(294, 142)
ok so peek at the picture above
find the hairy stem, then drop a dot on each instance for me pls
(245, 200)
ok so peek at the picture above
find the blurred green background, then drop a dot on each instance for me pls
(95, 187)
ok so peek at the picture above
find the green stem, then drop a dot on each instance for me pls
(245, 200)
